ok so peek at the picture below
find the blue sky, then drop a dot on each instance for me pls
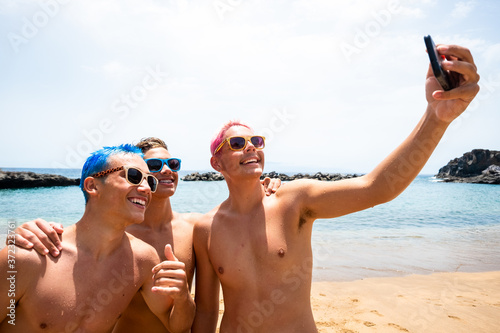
(333, 85)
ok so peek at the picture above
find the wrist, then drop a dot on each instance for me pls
(433, 117)
(184, 298)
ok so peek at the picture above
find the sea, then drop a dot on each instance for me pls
(431, 227)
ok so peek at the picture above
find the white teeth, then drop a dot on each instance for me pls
(250, 161)
(166, 181)
(138, 201)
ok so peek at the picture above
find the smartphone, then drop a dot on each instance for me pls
(441, 75)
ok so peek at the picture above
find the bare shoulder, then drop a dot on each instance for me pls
(143, 251)
(296, 187)
(28, 261)
(191, 218)
(203, 226)
(298, 184)
(26, 257)
(204, 221)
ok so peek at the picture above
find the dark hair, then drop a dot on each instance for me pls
(149, 143)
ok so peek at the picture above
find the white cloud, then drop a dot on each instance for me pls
(491, 55)
(462, 9)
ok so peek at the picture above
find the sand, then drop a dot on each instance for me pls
(441, 302)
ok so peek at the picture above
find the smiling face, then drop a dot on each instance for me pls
(234, 163)
(116, 197)
(167, 179)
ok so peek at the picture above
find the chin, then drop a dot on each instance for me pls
(165, 192)
(137, 218)
(257, 172)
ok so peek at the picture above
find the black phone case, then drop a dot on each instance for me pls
(438, 71)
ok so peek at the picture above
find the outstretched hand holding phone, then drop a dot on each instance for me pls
(457, 66)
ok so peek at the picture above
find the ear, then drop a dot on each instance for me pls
(90, 184)
(214, 161)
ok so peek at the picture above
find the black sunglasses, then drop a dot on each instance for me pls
(133, 176)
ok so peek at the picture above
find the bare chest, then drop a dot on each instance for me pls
(262, 248)
(74, 298)
(179, 236)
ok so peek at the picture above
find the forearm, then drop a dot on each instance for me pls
(400, 168)
(205, 322)
(182, 315)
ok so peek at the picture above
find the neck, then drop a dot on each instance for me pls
(97, 235)
(158, 212)
(245, 194)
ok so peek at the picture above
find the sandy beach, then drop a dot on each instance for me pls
(441, 302)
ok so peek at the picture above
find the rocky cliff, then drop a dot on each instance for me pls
(479, 166)
(11, 179)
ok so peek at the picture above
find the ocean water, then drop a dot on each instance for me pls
(431, 227)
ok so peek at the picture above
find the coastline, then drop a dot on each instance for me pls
(439, 302)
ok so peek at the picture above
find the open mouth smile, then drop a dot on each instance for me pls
(138, 201)
(169, 181)
(250, 161)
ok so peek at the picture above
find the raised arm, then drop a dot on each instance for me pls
(207, 283)
(396, 171)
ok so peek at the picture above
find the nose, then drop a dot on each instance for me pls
(250, 146)
(165, 169)
(144, 186)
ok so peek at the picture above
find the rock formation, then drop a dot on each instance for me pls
(11, 179)
(215, 176)
(479, 166)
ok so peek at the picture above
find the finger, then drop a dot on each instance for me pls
(58, 227)
(37, 232)
(170, 282)
(265, 182)
(167, 291)
(467, 70)
(169, 253)
(466, 93)
(459, 52)
(26, 237)
(52, 234)
(21, 241)
(169, 266)
(276, 184)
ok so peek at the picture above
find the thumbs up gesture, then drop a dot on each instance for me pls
(170, 276)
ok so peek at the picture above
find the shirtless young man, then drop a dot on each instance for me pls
(260, 247)
(161, 226)
(101, 267)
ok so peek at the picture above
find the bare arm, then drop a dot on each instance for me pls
(170, 280)
(17, 267)
(207, 284)
(8, 298)
(396, 171)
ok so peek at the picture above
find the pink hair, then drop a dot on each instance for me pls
(217, 139)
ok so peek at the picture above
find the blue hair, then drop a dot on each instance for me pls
(98, 161)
